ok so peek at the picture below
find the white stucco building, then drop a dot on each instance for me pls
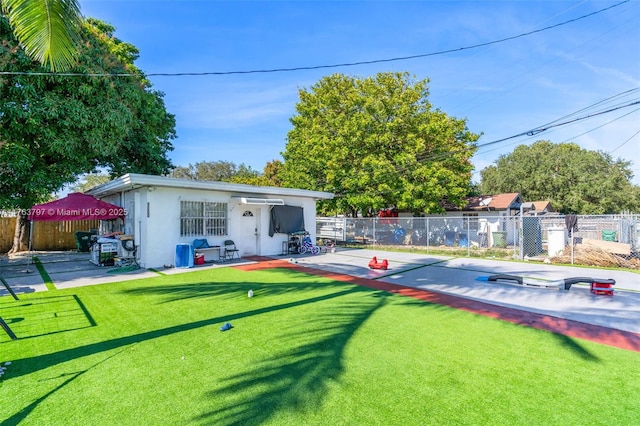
(162, 212)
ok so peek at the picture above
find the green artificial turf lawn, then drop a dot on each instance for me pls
(304, 350)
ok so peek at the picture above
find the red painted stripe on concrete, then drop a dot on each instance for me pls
(594, 333)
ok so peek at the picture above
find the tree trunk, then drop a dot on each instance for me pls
(21, 234)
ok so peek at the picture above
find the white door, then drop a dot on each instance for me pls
(249, 240)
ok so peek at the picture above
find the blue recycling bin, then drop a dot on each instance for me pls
(449, 238)
(184, 256)
(463, 241)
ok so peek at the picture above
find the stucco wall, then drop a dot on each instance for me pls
(155, 218)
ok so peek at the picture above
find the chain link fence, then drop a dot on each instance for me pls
(608, 240)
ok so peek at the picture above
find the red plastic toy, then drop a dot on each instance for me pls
(374, 264)
(603, 287)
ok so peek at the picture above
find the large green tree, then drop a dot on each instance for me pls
(271, 172)
(88, 181)
(574, 179)
(227, 171)
(49, 30)
(54, 128)
(206, 170)
(377, 142)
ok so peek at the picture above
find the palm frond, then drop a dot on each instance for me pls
(47, 29)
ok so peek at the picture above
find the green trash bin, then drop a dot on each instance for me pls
(499, 239)
(608, 235)
(83, 240)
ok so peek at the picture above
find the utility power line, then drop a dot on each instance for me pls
(317, 67)
(623, 143)
(536, 131)
(532, 133)
(582, 110)
(602, 125)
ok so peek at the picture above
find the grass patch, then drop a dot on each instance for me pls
(303, 350)
(492, 253)
(43, 273)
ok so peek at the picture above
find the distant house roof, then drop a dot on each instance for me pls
(538, 208)
(542, 206)
(488, 202)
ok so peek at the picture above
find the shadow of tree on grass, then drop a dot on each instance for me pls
(21, 415)
(271, 281)
(47, 315)
(41, 362)
(296, 379)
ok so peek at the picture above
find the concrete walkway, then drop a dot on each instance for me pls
(458, 277)
(69, 269)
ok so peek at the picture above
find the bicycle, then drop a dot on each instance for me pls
(308, 246)
(329, 246)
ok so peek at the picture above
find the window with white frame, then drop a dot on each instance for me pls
(470, 221)
(198, 218)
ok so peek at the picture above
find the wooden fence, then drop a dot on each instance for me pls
(46, 235)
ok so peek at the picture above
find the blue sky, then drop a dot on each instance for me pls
(503, 89)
